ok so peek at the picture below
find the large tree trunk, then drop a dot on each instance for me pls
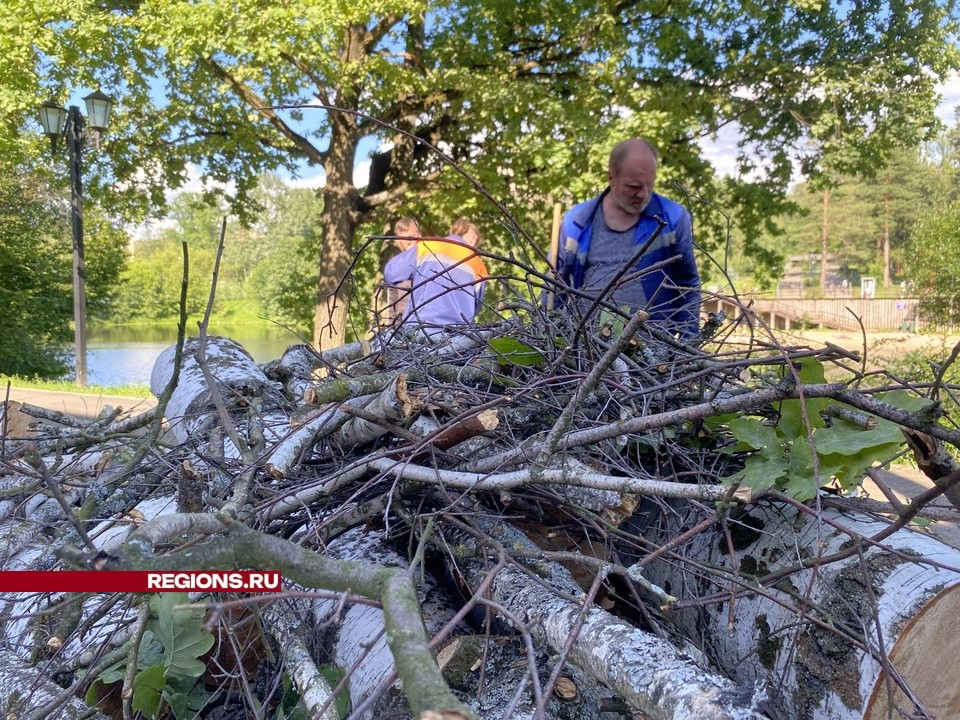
(237, 379)
(832, 641)
(339, 220)
(648, 672)
(29, 687)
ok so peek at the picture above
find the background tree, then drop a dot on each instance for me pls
(35, 292)
(284, 279)
(941, 154)
(266, 268)
(106, 250)
(869, 220)
(35, 264)
(526, 97)
(151, 282)
(932, 264)
(900, 189)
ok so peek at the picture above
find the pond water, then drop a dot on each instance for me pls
(125, 354)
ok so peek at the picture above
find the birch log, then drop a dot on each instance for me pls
(237, 376)
(392, 405)
(646, 671)
(825, 634)
(361, 641)
(25, 690)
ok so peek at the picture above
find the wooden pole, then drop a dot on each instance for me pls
(554, 254)
(75, 146)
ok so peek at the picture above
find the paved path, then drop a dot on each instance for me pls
(79, 404)
(907, 482)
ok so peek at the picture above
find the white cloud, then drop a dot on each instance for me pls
(949, 91)
(721, 152)
(196, 183)
(317, 180)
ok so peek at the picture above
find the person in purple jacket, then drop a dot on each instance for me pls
(447, 276)
(407, 232)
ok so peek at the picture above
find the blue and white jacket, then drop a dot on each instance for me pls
(673, 292)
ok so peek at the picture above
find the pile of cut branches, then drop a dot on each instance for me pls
(529, 518)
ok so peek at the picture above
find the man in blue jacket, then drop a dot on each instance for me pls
(629, 223)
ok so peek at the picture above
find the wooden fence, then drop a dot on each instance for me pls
(836, 313)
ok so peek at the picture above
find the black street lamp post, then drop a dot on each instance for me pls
(57, 121)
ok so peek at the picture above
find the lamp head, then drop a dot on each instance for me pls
(99, 107)
(53, 118)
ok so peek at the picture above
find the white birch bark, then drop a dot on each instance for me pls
(361, 639)
(393, 405)
(649, 673)
(238, 379)
(25, 690)
(285, 454)
(914, 588)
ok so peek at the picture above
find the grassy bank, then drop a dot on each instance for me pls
(71, 387)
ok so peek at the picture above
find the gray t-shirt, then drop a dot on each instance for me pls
(609, 252)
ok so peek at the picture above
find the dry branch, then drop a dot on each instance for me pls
(606, 451)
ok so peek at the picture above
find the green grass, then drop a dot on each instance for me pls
(236, 311)
(71, 387)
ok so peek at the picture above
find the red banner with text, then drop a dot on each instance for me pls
(146, 581)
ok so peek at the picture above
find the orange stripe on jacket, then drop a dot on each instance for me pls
(452, 253)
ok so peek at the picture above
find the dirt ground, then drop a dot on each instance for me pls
(882, 344)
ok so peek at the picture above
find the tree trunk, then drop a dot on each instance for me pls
(824, 236)
(23, 687)
(822, 633)
(648, 672)
(238, 379)
(339, 220)
(886, 240)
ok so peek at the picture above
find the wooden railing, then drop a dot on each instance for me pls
(836, 313)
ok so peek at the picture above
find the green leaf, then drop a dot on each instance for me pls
(90, 697)
(851, 468)
(181, 633)
(763, 471)
(186, 697)
(147, 690)
(754, 433)
(802, 482)
(845, 438)
(511, 351)
(792, 423)
(151, 653)
(333, 675)
(180, 705)
(905, 400)
(114, 673)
